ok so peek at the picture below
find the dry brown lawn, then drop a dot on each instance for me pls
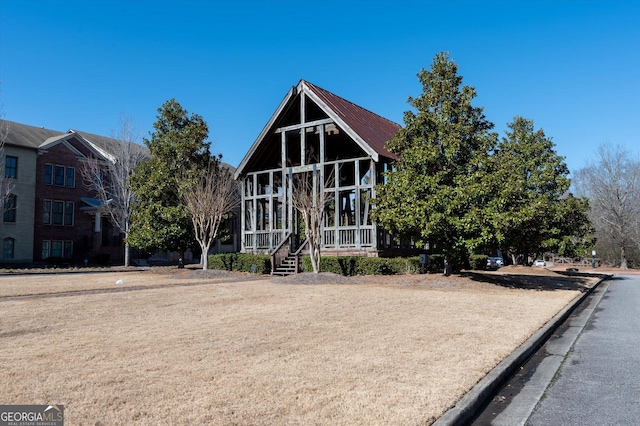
(186, 347)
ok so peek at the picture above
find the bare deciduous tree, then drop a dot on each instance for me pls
(209, 199)
(311, 200)
(6, 185)
(612, 184)
(109, 178)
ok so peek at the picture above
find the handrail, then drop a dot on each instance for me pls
(297, 254)
(276, 255)
(279, 246)
(304, 243)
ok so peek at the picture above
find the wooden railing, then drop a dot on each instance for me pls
(264, 239)
(281, 251)
(347, 237)
(298, 253)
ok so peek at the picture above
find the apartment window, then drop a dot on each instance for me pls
(46, 249)
(71, 177)
(68, 249)
(48, 174)
(11, 167)
(46, 212)
(8, 248)
(58, 177)
(10, 208)
(58, 212)
(56, 248)
(68, 213)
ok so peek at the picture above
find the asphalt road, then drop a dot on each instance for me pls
(588, 372)
(599, 381)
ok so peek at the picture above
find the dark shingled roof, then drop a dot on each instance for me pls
(28, 136)
(36, 137)
(372, 128)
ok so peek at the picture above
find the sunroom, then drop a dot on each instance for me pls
(327, 139)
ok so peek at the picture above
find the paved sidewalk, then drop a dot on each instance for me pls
(587, 373)
(599, 382)
(470, 406)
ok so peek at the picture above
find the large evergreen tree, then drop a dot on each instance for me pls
(530, 210)
(178, 145)
(435, 190)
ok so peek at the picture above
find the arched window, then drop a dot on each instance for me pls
(8, 248)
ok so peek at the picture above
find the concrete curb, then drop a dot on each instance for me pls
(467, 408)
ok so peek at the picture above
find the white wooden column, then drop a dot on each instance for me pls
(270, 207)
(303, 130)
(243, 188)
(254, 218)
(356, 199)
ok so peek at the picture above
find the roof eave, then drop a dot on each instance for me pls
(330, 112)
(292, 92)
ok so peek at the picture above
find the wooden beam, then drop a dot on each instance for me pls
(303, 125)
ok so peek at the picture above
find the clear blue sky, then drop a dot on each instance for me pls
(571, 66)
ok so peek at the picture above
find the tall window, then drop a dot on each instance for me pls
(68, 249)
(56, 248)
(10, 208)
(11, 167)
(68, 213)
(8, 247)
(46, 249)
(58, 177)
(58, 212)
(48, 174)
(71, 177)
(46, 213)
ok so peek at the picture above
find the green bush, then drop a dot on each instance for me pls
(478, 262)
(337, 265)
(242, 262)
(436, 263)
(356, 265)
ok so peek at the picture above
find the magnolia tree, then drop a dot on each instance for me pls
(160, 221)
(435, 189)
(209, 197)
(109, 178)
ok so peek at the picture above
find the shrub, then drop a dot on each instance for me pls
(242, 262)
(356, 265)
(436, 263)
(478, 262)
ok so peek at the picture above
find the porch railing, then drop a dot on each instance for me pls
(281, 251)
(264, 240)
(348, 237)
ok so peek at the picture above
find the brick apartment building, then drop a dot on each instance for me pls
(50, 214)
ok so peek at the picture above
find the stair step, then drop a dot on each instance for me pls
(286, 267)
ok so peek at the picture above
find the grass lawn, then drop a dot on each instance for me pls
(186, 347)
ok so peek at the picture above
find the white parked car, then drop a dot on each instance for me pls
(539, 263)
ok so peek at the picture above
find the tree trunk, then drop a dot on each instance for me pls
(127, 250)
(623, 258)
(204, 258)
(314, 254)
(447, 267)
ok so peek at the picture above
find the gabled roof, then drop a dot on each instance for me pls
(369, 130)
(27, 136)
(39, 138)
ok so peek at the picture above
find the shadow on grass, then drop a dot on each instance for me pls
(536, 282)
